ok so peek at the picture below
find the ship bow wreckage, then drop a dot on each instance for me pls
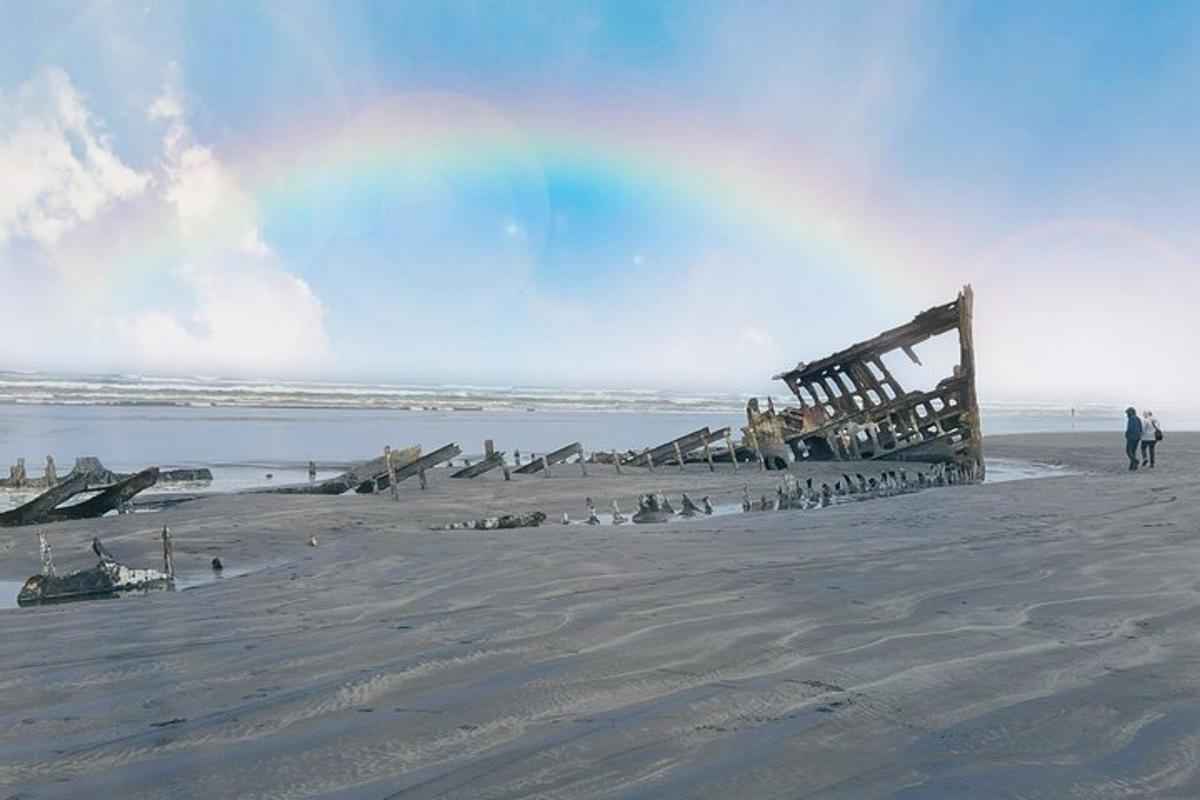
(852, 407)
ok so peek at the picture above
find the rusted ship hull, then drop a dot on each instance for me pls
(852, 407)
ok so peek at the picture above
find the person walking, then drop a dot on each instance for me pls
(1151, 436)
(1133, 434)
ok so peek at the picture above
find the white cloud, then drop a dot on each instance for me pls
(59, 168)
(167, 105)
(244, 311)
(250, 316)
(204, 192)
(757, 339)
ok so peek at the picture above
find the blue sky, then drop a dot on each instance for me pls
(612, 194)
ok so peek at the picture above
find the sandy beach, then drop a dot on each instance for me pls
(1034, 639)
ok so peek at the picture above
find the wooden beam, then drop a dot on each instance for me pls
(35, 510)
(550, 459)
(375, 469)
(664, 452)
(110, 499)
(495, 459)
(415, 467)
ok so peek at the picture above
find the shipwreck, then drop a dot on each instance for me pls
(852, 407)
(108, 578)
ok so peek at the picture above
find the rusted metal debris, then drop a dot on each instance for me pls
(107, 579)
(851, 406)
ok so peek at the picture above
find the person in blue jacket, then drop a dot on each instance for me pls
(1133, 435)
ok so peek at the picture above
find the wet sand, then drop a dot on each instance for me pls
(1034, 639)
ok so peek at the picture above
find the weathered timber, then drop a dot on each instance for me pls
(410, 468)
(17, 475)
(550, 459)
(101, 477)
(389, 461)
(112, 498)
(107, 579)
(479, 467)
(666, 451)
(374, 470)
(852, 407)
(35, 511)
(694, 447)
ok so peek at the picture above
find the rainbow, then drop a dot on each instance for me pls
(745, 183)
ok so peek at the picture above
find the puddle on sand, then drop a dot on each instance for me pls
(1003, 470)
(184, 581)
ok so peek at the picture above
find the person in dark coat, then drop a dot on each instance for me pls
(1133, 435)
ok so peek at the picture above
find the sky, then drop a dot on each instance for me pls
(669, 194)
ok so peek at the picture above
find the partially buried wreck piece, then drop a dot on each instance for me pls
(550, 459)
(503, 522)
(369, 471)
(491, 460)
(678, 449)
(406, 469)
(852, 407)
(46, 507)
(107, 579)
(98, 475)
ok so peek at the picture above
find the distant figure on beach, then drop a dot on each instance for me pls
(1151, 436)
(1133, 435)
(312, 471)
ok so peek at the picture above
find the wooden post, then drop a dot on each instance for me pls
(708, 457)
(650, 460)
(966, 341)
(678, 456)
(421, 475)
(389, 460)
(545, 468)
(490, 449)
(51, 472)
(17, 474)
(47, 558)
(762, 462)
(616, 461)
(168, 553)
(732, 451)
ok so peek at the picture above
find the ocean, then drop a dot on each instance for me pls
(243, 430)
